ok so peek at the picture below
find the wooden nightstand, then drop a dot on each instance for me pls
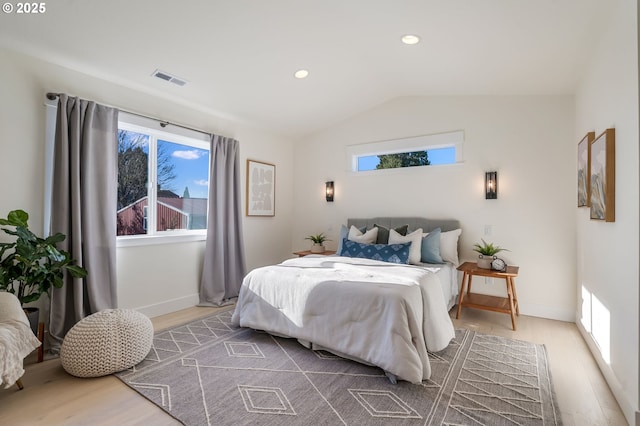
(507, 305)
(308, 252)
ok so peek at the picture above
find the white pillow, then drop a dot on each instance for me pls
(449, 246)
(368, 237)
(415, 238)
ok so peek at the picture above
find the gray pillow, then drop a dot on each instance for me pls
(430, 250)
(383, 233)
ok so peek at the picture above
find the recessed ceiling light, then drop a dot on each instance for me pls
(410, 39)
(301, 74)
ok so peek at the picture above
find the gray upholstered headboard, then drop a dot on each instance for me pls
(427, 225)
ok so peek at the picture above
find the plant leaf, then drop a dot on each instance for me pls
(17, 218)
(30, 298)
(55, 239)
(77, 271)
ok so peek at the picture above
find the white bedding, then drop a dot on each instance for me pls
(381, 313)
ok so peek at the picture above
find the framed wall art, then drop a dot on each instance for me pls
(261, 188)
(584, 174)
(603, 176)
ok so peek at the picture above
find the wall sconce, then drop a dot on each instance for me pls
(491, 185)
(329, 191)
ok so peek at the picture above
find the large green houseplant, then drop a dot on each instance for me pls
(30, 265)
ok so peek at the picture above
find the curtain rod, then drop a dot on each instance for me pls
(163, 123)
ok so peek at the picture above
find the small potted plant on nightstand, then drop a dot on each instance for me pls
(318, 242)
(487, 252)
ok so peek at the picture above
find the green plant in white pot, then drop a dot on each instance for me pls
(318, 242)
(487, 252)
(30, 265)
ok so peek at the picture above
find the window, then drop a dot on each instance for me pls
(163, 182)
(428, 157)
(429, 150)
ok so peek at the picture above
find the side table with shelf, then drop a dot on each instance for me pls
(507, 305)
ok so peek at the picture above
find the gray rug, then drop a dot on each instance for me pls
(210, 373)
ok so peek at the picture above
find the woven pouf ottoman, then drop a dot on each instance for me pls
(106, 342)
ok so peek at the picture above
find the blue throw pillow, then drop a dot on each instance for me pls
(430, 250)
(393, 253)
(344, 233)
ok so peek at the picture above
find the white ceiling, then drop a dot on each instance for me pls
(239, 56)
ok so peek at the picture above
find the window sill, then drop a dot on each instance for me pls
(133, 241)
(378, 172)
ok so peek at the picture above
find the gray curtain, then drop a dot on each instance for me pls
(224, 259)
(85, 178)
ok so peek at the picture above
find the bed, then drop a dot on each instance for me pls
(379, 313)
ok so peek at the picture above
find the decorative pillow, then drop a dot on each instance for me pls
(430, 252)
(449, 246)
(415, 238)
(344, 233)
(368, 237)
(393, 253)
(383, 233)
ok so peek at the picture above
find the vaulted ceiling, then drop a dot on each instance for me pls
(239, 56)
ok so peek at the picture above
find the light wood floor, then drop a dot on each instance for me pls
(52, 397)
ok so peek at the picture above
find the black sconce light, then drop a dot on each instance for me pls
(329, 191)
(491, 185)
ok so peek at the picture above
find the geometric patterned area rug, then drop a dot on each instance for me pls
(208, 372)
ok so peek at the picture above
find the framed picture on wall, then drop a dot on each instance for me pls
(261, 188)
(603, 176)
(584, 160)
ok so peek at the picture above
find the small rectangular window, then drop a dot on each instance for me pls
(428, 150)
(145, 213)
(427, 157)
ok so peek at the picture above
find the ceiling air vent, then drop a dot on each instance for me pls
(168, 77)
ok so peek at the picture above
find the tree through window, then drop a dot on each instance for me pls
(405, 159)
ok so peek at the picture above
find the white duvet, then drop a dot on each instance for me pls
(384, 314)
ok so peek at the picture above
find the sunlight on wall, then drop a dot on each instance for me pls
(586, 309)
(596, 319)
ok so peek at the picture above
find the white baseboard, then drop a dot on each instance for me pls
(628, 408)
(542, 311)
(168, 306)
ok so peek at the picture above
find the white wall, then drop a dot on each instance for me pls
(607, 253)
(157, 279)
(528, 140)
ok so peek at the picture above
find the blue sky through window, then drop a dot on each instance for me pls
(191, 167)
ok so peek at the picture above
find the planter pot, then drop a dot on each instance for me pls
(484, 262)
(317, 248)
(33, 314)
